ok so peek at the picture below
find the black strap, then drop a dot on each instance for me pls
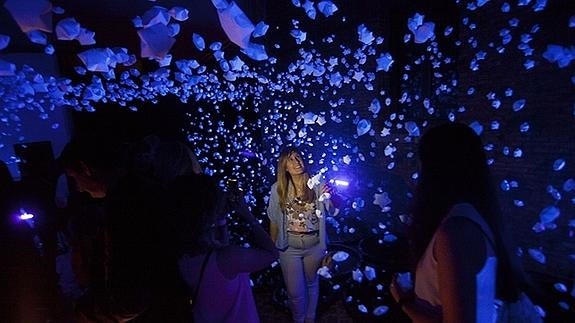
(193, 300)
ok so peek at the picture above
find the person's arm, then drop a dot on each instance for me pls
(273, 210)
(274, 230)
(460, 250)
(335, 199)
(236, 259)
(420, 312)
(402, 291)
(261, 237)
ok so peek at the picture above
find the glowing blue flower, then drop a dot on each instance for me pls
(363, 127)
(537, 255)
(558, 164)
(365, 36)
(179, 13)
(384, 62)
(549, 214)
(327, 8)
(260, 29)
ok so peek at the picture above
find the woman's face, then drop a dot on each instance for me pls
(294, 164)
(85, 182)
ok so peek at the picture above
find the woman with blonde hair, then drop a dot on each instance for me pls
(297, 226)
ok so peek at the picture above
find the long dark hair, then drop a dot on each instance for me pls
(454, 170)
(195, 203)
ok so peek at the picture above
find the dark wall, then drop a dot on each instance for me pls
(164, 118)
(549, 96)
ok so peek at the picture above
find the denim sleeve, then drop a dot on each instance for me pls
(273, 210)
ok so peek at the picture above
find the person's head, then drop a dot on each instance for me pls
(91, 164)
(141, 155)
(453, 169)
(172, 159)
(291, 164)
(452, 158)
(198, 206)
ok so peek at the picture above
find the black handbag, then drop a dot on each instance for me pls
(195, 294)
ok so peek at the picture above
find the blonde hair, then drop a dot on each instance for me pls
(284, 180)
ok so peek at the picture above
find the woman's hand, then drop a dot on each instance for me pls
(327, 188)
(334, 197)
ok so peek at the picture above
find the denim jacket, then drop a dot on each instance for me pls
(277, 217)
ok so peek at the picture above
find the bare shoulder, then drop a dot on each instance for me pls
(459, 239)
(460, 228)
(460, 224)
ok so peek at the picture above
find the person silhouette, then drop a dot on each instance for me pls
(297, 226)
(221, 292)
(464, 254)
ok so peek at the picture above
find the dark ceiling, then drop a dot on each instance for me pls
(111, 20)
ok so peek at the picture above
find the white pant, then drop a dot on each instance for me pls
(299, 264)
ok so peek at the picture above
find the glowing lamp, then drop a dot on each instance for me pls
(339, 182)
(26, 216)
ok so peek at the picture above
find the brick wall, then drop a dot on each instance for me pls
(550, 99)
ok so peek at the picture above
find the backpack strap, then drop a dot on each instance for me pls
(196, 291)
(468, 211)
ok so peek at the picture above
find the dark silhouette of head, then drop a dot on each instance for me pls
(453, 160)
(172, 159)
(93, 163)
(196, 204)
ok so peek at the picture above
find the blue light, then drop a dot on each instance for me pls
(25, 215)
(339, 182)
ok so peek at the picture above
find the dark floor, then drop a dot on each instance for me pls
(274, 313)
(334, 312)
(341, 304)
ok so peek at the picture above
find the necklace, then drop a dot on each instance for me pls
(300, 193)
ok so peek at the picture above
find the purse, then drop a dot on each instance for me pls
(196, 291)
